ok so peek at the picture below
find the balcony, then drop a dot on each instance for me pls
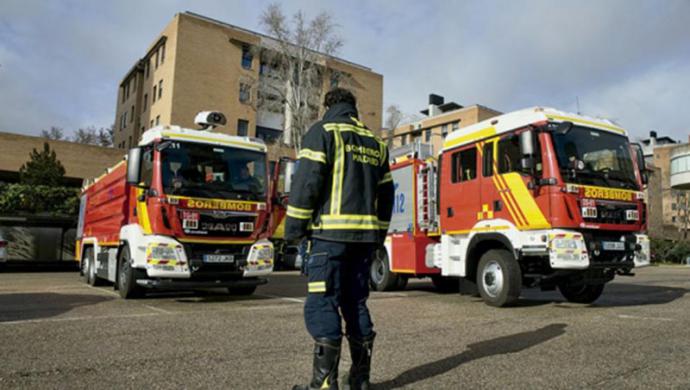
(680, 168)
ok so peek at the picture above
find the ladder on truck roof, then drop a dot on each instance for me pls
(413, 150)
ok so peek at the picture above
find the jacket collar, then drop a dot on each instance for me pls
(340, 110)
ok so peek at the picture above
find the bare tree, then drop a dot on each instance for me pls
(295, 67)
(55, 133)
(105, 136)
(393, 117)
(87, 136)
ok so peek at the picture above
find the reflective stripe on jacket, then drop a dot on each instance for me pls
(342, 189)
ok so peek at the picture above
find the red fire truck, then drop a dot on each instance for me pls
(536, 197)
(187, 209)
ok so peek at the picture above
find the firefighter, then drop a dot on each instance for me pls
(341, 201)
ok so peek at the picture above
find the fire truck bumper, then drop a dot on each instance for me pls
(181, 284)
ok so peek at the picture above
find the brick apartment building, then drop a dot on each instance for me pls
(440, 119)
(668, 191)
(198, 64)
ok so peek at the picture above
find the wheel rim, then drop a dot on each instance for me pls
(378, 269)
(85, 269)
(492, 276)
(123, 273)
(92, 269)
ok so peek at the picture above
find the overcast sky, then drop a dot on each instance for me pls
(628, 60)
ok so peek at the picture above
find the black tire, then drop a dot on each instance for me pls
(126, 276)
(499, 278)
(445, 284)
(579, 291)
(241, 290)
(88, 262)
(402, 282)
(380, 276)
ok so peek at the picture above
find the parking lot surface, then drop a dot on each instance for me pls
(57, 332)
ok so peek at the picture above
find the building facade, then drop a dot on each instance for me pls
(201, 64)
(440, 119)
(668, 195)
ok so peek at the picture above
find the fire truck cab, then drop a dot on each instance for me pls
(536, 197)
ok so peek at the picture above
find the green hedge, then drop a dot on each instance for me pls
(27, 199)
(667, 251)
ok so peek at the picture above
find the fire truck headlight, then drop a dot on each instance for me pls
(159, 252)
(261, 256)
(568, 247)
(643, 252)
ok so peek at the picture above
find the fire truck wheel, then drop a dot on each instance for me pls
(126, 276)
(402, 282)
(381, 277)
(445, 284)
(580, 292)
(89, 267)
(241, 290)
(499, 278)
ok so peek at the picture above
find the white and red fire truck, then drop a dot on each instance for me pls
(187, 209)
(536, 197)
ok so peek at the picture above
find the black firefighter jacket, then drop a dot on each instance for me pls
(342, 189)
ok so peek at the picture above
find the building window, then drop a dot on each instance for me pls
(150, 126)
(673, 219)
(162, 49)
(146, 99)
(131, 117)
(456, 125)
(123, 93)
(160, 89)
(130, 142)
(134, 84)
(158, 120)
(267, 134)
(444, 131)
(403, 139)
(157, 54)
(335, 79)
(245, 93)
(147, 66)
(464, 165)
(427, 135)
(124, 119)
(247, 57)
(242, 127)
(153, 96)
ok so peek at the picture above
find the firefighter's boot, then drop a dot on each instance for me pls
(360, 351)
(326, 359)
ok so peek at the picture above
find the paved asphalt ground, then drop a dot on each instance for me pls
(56, 332)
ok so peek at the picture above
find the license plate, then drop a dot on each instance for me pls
(219, 258)
(613, 245)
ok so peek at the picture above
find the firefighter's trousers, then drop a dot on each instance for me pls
(338, 276)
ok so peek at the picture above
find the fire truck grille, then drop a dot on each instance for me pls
(613, 213)
(220, 224)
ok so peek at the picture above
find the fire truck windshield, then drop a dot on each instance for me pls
(595, 157)
(211, 171)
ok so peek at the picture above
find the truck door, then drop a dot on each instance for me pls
(526, 207)
(460, 190)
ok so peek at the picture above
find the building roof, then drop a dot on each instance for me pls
(80, 161)
(270, 38)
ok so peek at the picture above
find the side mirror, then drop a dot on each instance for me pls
(527, 143)
(290, 169)
(134, 166)
(641, 162)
